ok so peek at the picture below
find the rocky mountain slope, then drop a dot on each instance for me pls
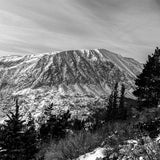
(63, 77)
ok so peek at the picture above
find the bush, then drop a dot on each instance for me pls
(55, 127)
(73, 146)
(149, 122)
(122, 139)
(77, 144)
(135, 150)
(77, 124)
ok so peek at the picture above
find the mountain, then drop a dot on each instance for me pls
(63, 77)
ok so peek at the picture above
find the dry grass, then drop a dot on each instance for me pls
(84, 141)
(73, 146)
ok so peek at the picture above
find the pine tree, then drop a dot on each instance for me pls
(31, 141)
(121, 103)
(48, 110)
(148, 82)
(15, 137)
(55, 127)
(110, 102)
(110, 107)
(122, 109)
(113, 104)
(115, 97)
(77, 124)
(12, 135)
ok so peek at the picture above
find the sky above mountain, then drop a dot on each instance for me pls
(128, 27)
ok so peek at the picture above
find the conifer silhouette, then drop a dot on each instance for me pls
(148, 82)
(16, 140)
(122, 108)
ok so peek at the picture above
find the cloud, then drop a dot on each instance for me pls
(125, 26)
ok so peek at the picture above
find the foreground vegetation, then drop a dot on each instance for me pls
(125, 132)
(60, 137)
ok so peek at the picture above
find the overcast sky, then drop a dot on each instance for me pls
(128, 27)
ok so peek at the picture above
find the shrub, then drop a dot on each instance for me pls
(135, 150)
(73, 146)
(83, 142)
(55, 127)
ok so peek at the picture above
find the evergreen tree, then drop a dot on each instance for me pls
(113, 104)
(44, 122)
(55, 127)
(114, 112)
(15, 138)
(48, 110)
(110, 101)
(148, 82)
(110, 107)
(31, 141)
(116, 108)
(122, 109)
(115, 97)
(77, 124)
(12, 136)
(121, 103)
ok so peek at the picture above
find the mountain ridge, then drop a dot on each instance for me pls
(71, 73)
